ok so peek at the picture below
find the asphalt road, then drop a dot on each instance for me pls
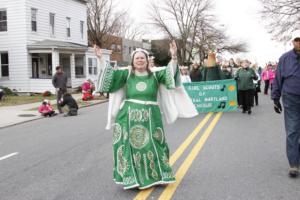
(242, 157)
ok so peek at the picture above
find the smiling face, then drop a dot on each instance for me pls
(140, 61)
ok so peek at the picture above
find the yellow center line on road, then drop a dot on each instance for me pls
(143, 195)
(170, 189)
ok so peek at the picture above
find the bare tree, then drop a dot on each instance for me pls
(190, 23)
(182, 14)
(102, 21)
(283, 17)
(130, 29)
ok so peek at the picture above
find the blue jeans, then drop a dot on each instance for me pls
(291, 104)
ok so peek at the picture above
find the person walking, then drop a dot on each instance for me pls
(256, 85)
(268, 76)
(140, 151)
(59, 81)
(287, 85)
(245, 77)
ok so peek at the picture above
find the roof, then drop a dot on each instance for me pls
(49, 44)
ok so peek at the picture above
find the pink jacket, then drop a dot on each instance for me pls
(268, 75)
(86, 86)
(45, 108)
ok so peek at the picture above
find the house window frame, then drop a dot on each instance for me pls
(5, 21)
(83, 75)
(92, 66)
(68, 27)
(82, 29)
(1, 65)
(52, 25)
(33, 19)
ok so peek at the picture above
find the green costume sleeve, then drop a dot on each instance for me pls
(169, 76)
(111, 80)
(165, 77)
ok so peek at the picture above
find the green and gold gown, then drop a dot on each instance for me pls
(140, 151)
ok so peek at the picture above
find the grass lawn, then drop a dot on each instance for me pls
(18, 100)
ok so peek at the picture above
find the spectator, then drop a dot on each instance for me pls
(287, 85)
(46, 109)
(1, 93)
(87, 90)
(71, 103)
(59, 81)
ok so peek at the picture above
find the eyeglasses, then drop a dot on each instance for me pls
(297, 40)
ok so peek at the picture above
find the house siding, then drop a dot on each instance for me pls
(19, 35)
(14, 42)
(62, 9)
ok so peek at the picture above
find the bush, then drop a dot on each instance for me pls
(47, 94)
(8, 91)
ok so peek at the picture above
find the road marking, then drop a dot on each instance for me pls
(144, 194)
(8, 156)
(170, 189)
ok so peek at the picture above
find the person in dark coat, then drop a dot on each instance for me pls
(195, 73)
(287, 86)
(245, 77)
(211, 70)
(71, 103)
(59, 81)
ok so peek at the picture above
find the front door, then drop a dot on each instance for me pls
(65, 63)
(35, 68)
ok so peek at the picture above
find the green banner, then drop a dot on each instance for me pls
(213, 96)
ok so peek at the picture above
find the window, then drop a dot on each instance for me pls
(52, 23)
(119, 48)
(93, 66)
(4, 64)
(68, 27)
(113, 47)
(33, 19)
(79, 66)
(81, 28)
(3, 21)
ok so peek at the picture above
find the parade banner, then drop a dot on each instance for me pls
(213, 96)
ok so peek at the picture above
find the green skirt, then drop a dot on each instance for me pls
(141, 154)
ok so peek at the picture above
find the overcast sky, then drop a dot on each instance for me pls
(242, 22)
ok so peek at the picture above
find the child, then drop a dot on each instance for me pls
(46, 109)
(71, 103)
(87, 90)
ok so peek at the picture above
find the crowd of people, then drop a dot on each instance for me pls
(247, 75)
(139, 91)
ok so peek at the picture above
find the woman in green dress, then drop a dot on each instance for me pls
(140, 151)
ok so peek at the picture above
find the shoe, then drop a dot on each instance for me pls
(294, 172)
(244, 111)
(66, 115)
(249, 112)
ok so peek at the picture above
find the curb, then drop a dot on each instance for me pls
(30, 120)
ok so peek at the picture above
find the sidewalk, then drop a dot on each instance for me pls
(11, 115)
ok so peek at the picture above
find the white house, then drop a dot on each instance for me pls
(38, 35)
